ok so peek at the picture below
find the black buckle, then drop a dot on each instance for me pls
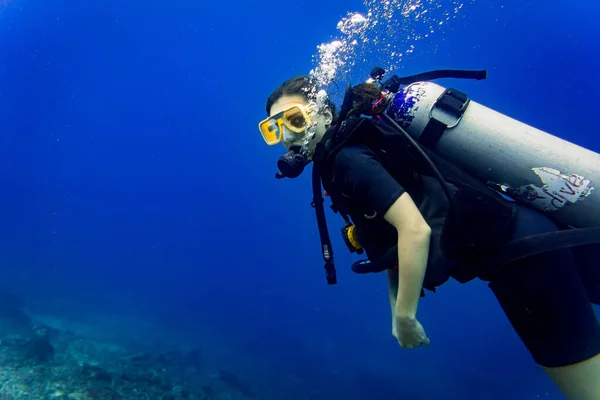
(330, 273)
(452, 102)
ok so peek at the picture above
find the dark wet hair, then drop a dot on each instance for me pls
(364, 95)
(298, 86)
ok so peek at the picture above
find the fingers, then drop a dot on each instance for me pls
(410, 346)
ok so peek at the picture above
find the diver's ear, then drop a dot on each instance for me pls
(327, 116)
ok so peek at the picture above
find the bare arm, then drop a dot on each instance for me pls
(392, 276)
(413, 251)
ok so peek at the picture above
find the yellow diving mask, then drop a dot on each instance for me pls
(295, 118)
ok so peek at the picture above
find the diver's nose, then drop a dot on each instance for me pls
(288, 136)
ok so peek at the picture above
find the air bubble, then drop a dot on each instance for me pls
(385, 33)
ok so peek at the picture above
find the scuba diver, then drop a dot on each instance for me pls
(422, 217)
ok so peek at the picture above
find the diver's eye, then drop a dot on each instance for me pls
(298, 122)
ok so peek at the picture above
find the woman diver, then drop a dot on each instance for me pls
(391, 204)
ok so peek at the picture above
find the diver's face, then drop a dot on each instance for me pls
(319, 123)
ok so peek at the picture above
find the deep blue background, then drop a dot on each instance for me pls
(135, 186)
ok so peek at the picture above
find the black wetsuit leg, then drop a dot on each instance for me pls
(588, 261)
(546, 301)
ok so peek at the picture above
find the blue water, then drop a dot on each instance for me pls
(135, 187)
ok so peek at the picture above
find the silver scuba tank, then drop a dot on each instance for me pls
(535, 167)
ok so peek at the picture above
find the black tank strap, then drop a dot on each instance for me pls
(515, 250)
(432, 133)
(451, 104)
(529, 246)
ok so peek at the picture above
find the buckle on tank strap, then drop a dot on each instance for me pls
(453, 103)
(449, 109)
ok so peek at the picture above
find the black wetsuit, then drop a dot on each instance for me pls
(544, 296)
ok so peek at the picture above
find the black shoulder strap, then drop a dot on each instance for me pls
(333, 140)
(317, 204)
(321, 155)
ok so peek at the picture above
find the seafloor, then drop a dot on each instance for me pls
(48, 361)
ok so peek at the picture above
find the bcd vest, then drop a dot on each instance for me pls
(458, 242)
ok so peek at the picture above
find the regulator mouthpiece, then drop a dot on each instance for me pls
(291, 164)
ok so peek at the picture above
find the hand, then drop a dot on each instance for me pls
(409, 332)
